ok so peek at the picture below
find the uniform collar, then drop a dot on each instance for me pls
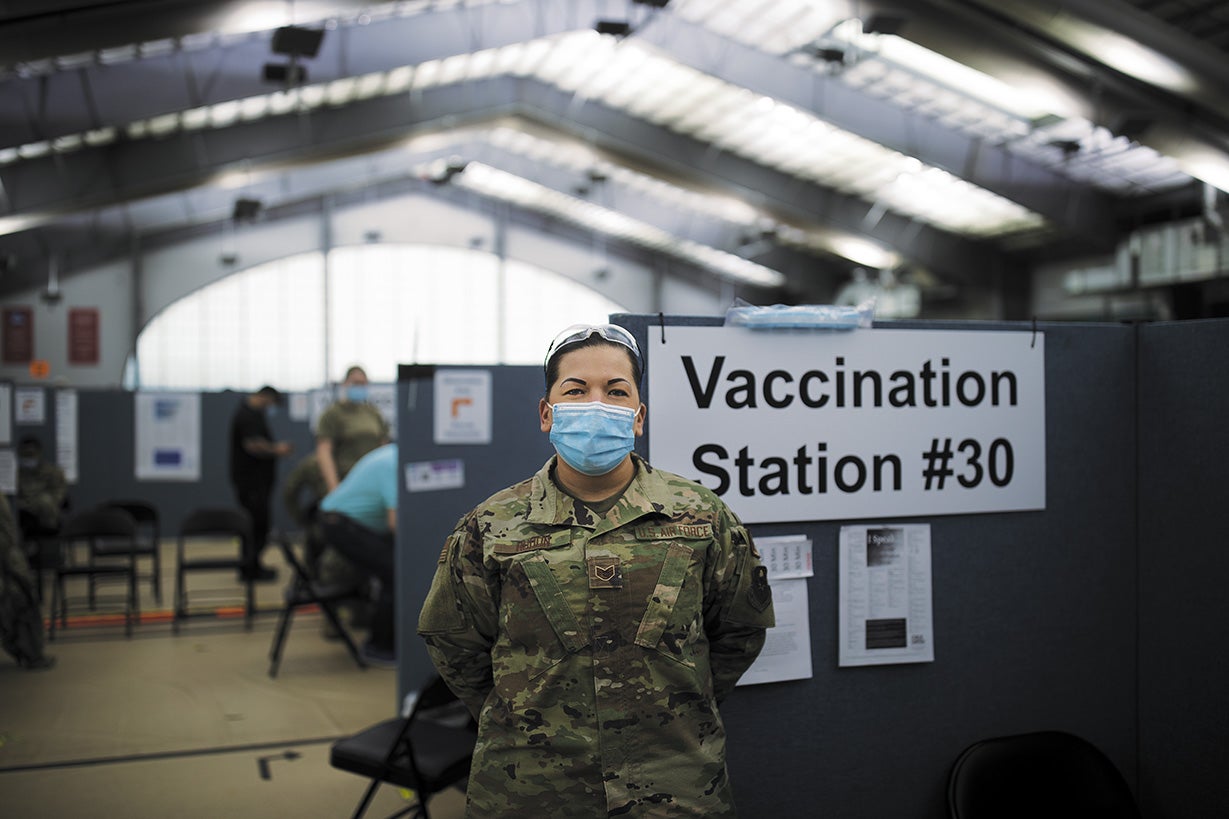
(648, 494)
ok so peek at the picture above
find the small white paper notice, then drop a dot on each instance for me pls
(428, 476)
(787, 646)
(885, 595)
(462, 406)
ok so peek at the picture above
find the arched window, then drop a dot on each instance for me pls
(383, 305)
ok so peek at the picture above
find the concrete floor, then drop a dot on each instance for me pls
(190, 725)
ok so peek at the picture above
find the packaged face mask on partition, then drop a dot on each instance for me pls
(801, 316)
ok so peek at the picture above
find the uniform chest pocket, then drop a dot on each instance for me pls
(549, 594)
(672, 620)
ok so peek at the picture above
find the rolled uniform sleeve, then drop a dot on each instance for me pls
(740, 610)
(459, 618)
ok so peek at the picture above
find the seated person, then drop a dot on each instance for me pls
(42, 491)
(359, 519)
(302, 492)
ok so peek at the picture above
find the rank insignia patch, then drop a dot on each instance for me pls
(760, 593)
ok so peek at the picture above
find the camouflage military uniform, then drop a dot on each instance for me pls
(40, 493)
(355, 428)
(594, 649)
(21, 620)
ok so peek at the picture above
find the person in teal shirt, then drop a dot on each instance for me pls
(359, 520)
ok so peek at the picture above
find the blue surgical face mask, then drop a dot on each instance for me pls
(356, 393)
(592, 438)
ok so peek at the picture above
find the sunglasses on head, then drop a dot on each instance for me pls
(580, 332)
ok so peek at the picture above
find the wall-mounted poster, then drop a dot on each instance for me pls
(168, 436)
(885, 595)
(18, 333)
(83, 335)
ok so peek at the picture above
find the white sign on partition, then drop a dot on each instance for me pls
(884, 592)
(168, 436)
(826, 425)
(66, 449)
(787, 645)
(6, 414)
(462, 407)
(31, 405)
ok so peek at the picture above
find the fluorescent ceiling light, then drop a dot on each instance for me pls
(509, 187)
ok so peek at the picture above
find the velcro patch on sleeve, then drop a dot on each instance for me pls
(675, 531)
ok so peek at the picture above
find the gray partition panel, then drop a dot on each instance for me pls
(425, 519)
(1184, 568)
(107, 441)
(1034, 618)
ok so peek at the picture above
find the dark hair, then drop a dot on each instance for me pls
(552, 366)
(271, 393)
(354, 369)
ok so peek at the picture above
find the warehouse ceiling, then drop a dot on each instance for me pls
(778, 145)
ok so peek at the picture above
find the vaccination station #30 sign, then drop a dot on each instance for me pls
(823, 425)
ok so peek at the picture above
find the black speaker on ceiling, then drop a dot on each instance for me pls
(295, 41)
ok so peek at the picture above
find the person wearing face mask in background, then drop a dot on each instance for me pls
(594, 616)
(348, 429)
(42, 491)
(253, 471)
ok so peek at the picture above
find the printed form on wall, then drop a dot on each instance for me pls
(787, 646)
(884, 595)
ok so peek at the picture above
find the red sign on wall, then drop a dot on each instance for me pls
(83, 335)
(18, 334)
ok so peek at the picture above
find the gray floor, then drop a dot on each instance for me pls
(190, 725)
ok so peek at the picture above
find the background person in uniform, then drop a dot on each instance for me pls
(253, 470)
(42, 491)
(302, 492)
(21, 619)
(593, 616)
(348, 429)
(359, 519)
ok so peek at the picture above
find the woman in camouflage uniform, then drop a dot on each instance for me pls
(593, 616)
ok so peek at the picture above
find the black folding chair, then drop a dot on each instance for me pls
(426, 752)
(80, 540)
(1046, 773)
(303, 591)
(148, 538)
(209, 525)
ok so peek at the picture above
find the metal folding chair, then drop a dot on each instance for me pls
(96, 543)
(426, 752)
(209, 525)
(303, 591)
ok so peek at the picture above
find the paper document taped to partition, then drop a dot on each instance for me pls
(885, 594)
(787, 646)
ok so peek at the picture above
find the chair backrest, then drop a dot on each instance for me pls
(217, 520)
(425, 751)
(1047, 773)
(99, 522)
(144, 513)
(141, 511)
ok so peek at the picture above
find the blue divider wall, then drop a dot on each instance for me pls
(1184, 569)
(106, 455)
(425, 519)
(1036, 614)
(1034, 620)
